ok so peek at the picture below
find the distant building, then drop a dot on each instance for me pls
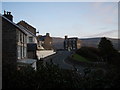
(72, 43)
(31, 39)
(45, 42)
(14, 41)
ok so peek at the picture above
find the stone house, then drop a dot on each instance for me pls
(14, 41)
(31, 38)
(45, 42)
(72, 43)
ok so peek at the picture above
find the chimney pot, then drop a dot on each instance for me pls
(47, 34)
(4, 12)
(8, 15)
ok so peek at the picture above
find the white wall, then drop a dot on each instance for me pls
(34, 66)
(44, 53)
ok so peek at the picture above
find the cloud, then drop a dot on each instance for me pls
(111, 34)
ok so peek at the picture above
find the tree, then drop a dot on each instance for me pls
(106, 48)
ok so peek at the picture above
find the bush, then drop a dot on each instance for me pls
(89, 52)
(46, 76)
(51, 76)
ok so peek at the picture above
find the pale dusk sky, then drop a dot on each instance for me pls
(75, 19)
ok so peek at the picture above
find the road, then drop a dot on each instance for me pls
(59, 59)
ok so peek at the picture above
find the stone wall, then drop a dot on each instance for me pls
(8, 43)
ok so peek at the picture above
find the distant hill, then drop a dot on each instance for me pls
(91, 42)
(58, 42)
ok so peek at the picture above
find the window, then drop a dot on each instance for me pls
(30, 39)
(22, 51)
(25, 49)
(19, 52)
(17, 36)
(22, 36)
(25, 39)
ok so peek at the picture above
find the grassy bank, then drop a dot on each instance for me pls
(79, 58)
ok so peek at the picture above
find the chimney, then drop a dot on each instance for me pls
(47, 34)
(8, 15)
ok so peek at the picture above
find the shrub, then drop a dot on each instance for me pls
(89, 52)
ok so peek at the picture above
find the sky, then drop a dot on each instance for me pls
(75, 19)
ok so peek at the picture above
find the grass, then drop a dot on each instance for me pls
(79, 58)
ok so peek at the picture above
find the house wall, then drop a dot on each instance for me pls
(13, 42)
(9, 48)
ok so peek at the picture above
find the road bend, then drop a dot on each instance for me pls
(59, 58)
